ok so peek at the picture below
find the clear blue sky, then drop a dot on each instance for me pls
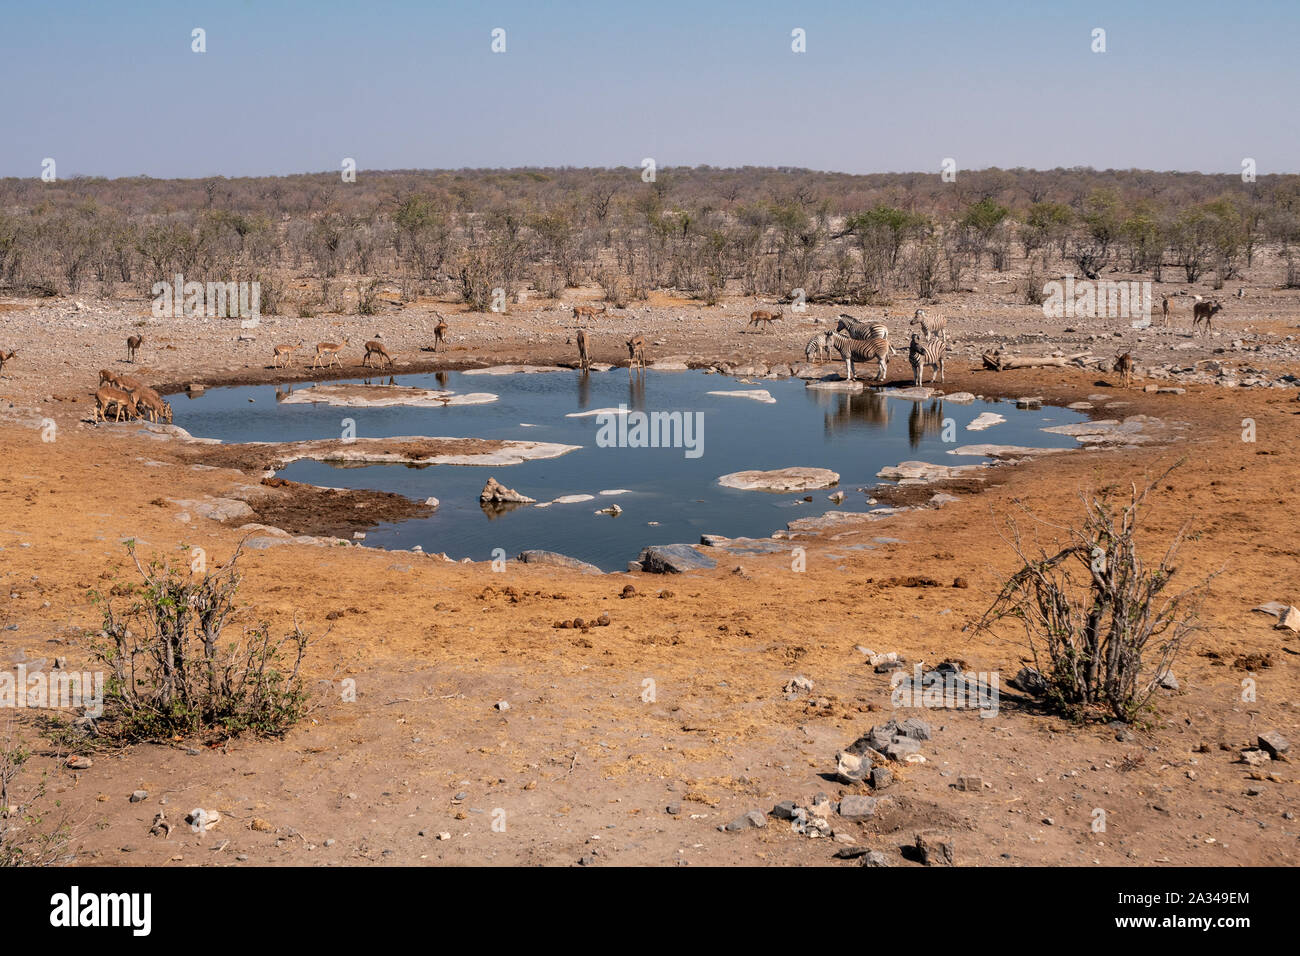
(112, 88)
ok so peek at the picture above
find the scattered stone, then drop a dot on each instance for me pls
(901, 748)
(1170, 682)
(881, 777)
(784, 810)
(916, 728)
(1289, 620)
(874, 858)
(968, 784)
(1274, 744)
(934, 851)
(201, 819)
(139, 796)
(1255, 758)
(502, 705)
(796, 684)
(857, 807)
(77, 762)
(851, 767)
(749, 821)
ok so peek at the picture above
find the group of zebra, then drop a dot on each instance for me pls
(869, 342)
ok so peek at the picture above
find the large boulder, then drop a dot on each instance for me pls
(674, 559)
(557, 560)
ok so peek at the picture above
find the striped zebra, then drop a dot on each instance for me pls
(861, 330)
(931, 352)
(818, 347)
(862, 350)
(931, 325)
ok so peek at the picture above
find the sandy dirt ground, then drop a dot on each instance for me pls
(581, 768)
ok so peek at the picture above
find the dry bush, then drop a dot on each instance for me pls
(1101, 624)
(1031, 290)
(368, 297)
(169, 672)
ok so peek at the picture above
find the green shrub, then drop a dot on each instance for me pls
(170, 673)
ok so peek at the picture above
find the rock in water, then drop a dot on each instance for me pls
(782, 479)
(496, 493)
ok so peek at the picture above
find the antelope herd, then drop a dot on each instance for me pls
(128, 397)
(852, 339)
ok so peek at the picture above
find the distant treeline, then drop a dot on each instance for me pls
(701, 231)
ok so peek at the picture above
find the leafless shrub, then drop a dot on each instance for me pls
(611, 283)
(1031, 290)
(368, 297)
(272, 294)
(1100, 624)
(1292, 273)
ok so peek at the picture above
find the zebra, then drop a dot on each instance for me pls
(931, 325)
(864, 350)
(861, 330)
(818, 347)
(931, 352)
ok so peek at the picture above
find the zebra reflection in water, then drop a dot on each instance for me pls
(926, 418)
(849, 411)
